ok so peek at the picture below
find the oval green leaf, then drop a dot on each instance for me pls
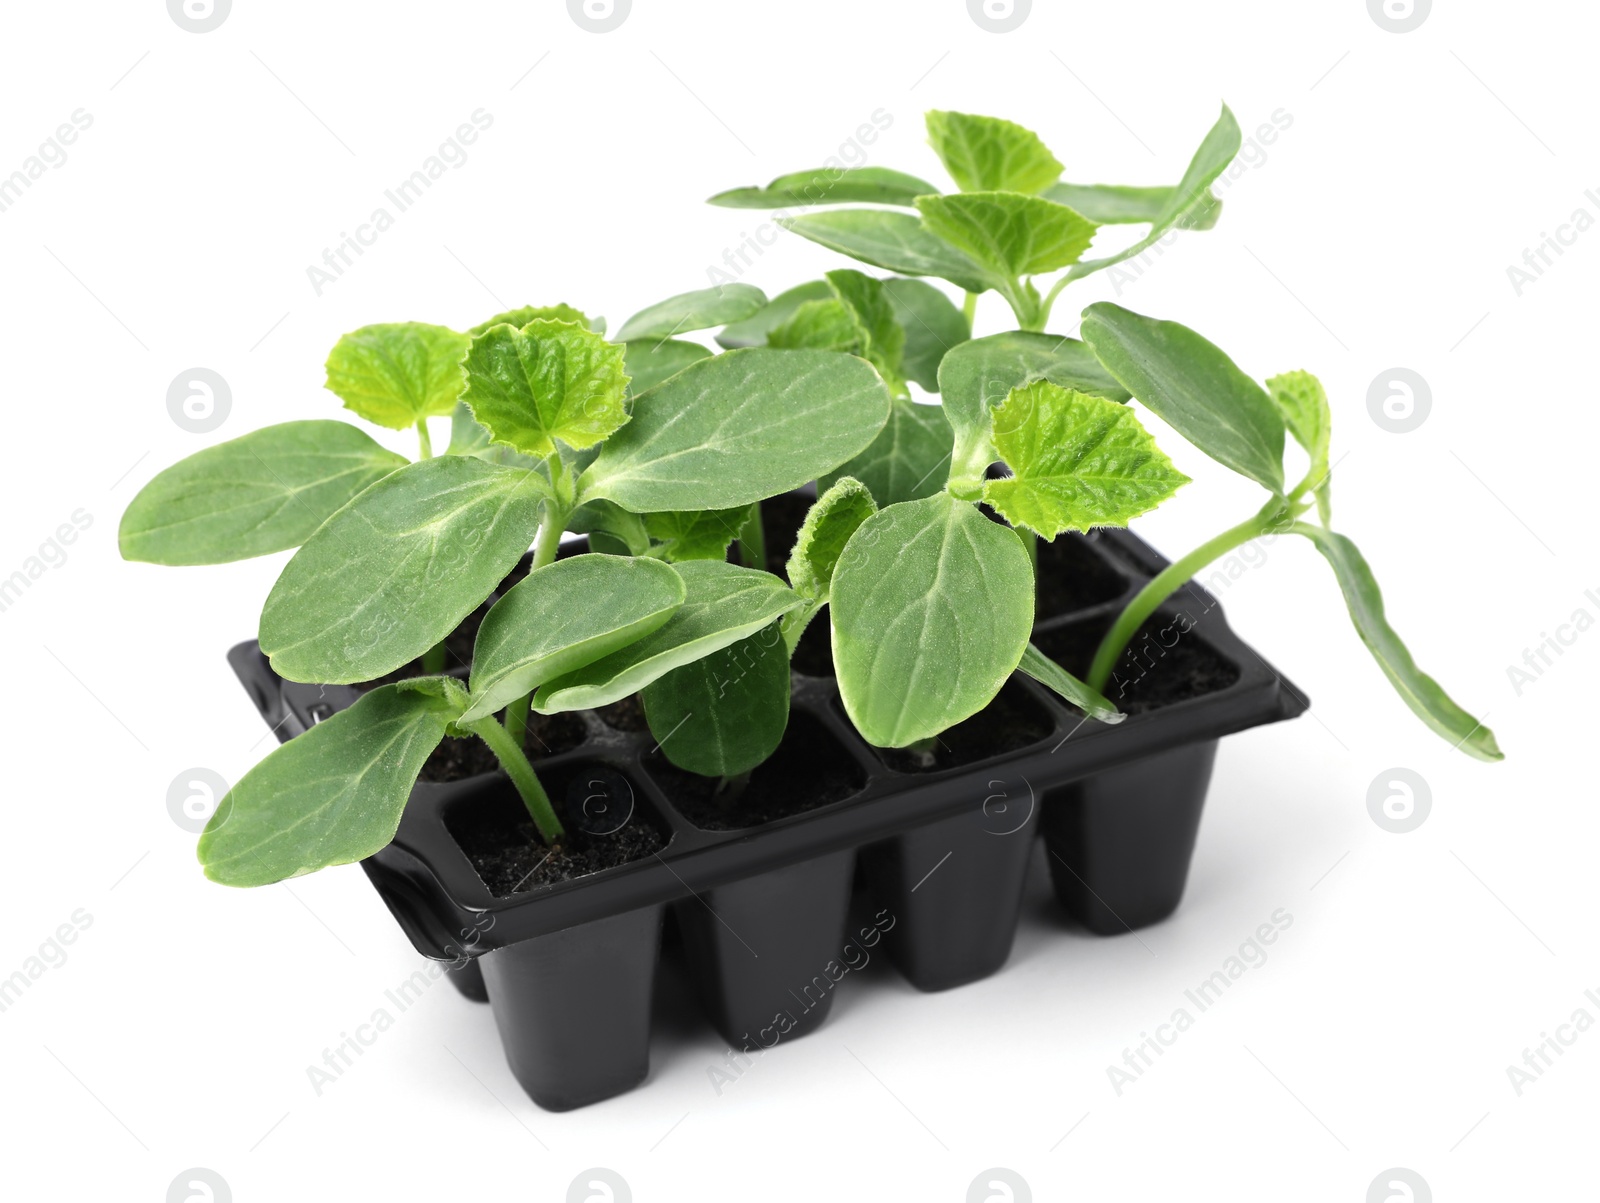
(933, 326)
(828, 186)
(699, 310)
(649, 361)
(397, 373)
(724, 713)
(753, 330)
(897, 241)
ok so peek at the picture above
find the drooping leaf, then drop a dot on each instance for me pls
(832, 519)
(333, 795)
(1077, 462)
(988, 154)
(828, 186)
(737, 428)
(699, 310)
(1009, 234)
(563, 616)
(933, 325)
(724, 604)
(528, 313)
(897, 241)
(397, 373)
(753, 330)
(1051, 675)
(1193, 386)
(696, 534)
(909, 459)
(1427, 699)
(262, 492)
(547, 381)
(724, 713)
(1119, 204)
(396, 570)
(932, 605)
(650, 361)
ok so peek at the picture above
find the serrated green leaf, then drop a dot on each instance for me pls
(333, 795)
(397, 569)
(699, 310)
(563, 616)
(469, 437)
(724, 713)
(988, 154)
(651, 360)
(1193, 386)
(548, 381)
(742, 426)
(696, 534)
(897, 241)
(724, 604)
(1051, 675)
(828, 186)
(1077, 462)
(1120, 204)
(1427, 699)
(754, 330)
(909, 459)
(821, 325)
(932, 324)
(1302, 401)
(397, 373)
(832, 519)
(262, 492)
(932, 605)
(1009, 234)
(528, 313)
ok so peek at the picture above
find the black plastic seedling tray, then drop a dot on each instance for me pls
(943, 847)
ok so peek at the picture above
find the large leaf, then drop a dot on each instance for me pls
(397, 373)
(754, 330)
(333, 795)
(547, 381)
(1416, 688)
(652, 360)
(909, 459)
(828, 186)
(829, 523)
(1121, 204)
(1077, 462)
(1009, 234)
(563, 616)
(897, 241)
(931, 606)
(724, 604)
(933, 325)
(732, 430)
(696, 534)
(262, 492)
(396, 570)
(724, 713)
(1050, 674)
(715, 306)
(1194, 387)
(988, 154)
(528, 313)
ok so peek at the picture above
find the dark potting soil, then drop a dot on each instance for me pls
(499, 838)
(1013, 720)
(1073, 576)
(626, 715)
(808, 770)
(781, 519)
(813, 655)
(548, 735)
(1164, 663)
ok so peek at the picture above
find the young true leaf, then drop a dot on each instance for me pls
(897, 241)
(1301, 400)
(563, 616)
(1118, 204)
(821, 325)
(651, 360)
(883, 339)
(333, 795)
(715, 306)
(395, 571)
(932, 605)
(469, 437)
(909, 459)
(1051, 675)
(1009, 234)
(528, 313)
(1077, 462)
(828, 186)
(607, 522)
(1193, 387)
(262, 492)
(1428, 701)
(829, 523)
(932, 325)
(725, 603)
(398, 373)
(732, 430)
(548, 381)
(724, 713)
(696, 534)
(987, 154)
(754, 330)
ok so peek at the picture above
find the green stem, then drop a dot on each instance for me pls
(514, 761)
(1050, 298)
(969, 308)
(433, 660)
(549, 541)
(517, 718)
(424, 439)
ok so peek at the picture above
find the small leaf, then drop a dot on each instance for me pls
(933, 325)
(829, 523)
(1193, 386)
(1428, 701)
(897, 241)
(932, 605)
(988, 154)
(828, 186)
(528, 313)
(398, 373)
(396, 570)
(883, 339)
(753, 330)
(696, 534)
(1009, 234)
(563, 616)
(333, 795)
(262, 492)
(1301, 400)
(715, 306)
(601, 519)
(909, 459)
(547, 381)
(725, 603)
(1117, 204)
(742, 426)
(650, 361)
(821, 325)
(724, 713)
(1077, 462)
(1051, 675)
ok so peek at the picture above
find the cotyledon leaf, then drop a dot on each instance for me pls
(262, 492)
(909, 459)
(398, 373)
(724, 713)
(987, 154)
(933, 326)
(699, 310)
(754, 330)
(1051, 675)
(828, 186)
(897, 241)
(651, 360)
(1121, 204)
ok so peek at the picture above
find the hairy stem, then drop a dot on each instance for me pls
(517, 718)
(424, 439)
(1050, 298)
(514, 761)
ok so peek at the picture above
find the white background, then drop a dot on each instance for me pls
(1375, 232)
